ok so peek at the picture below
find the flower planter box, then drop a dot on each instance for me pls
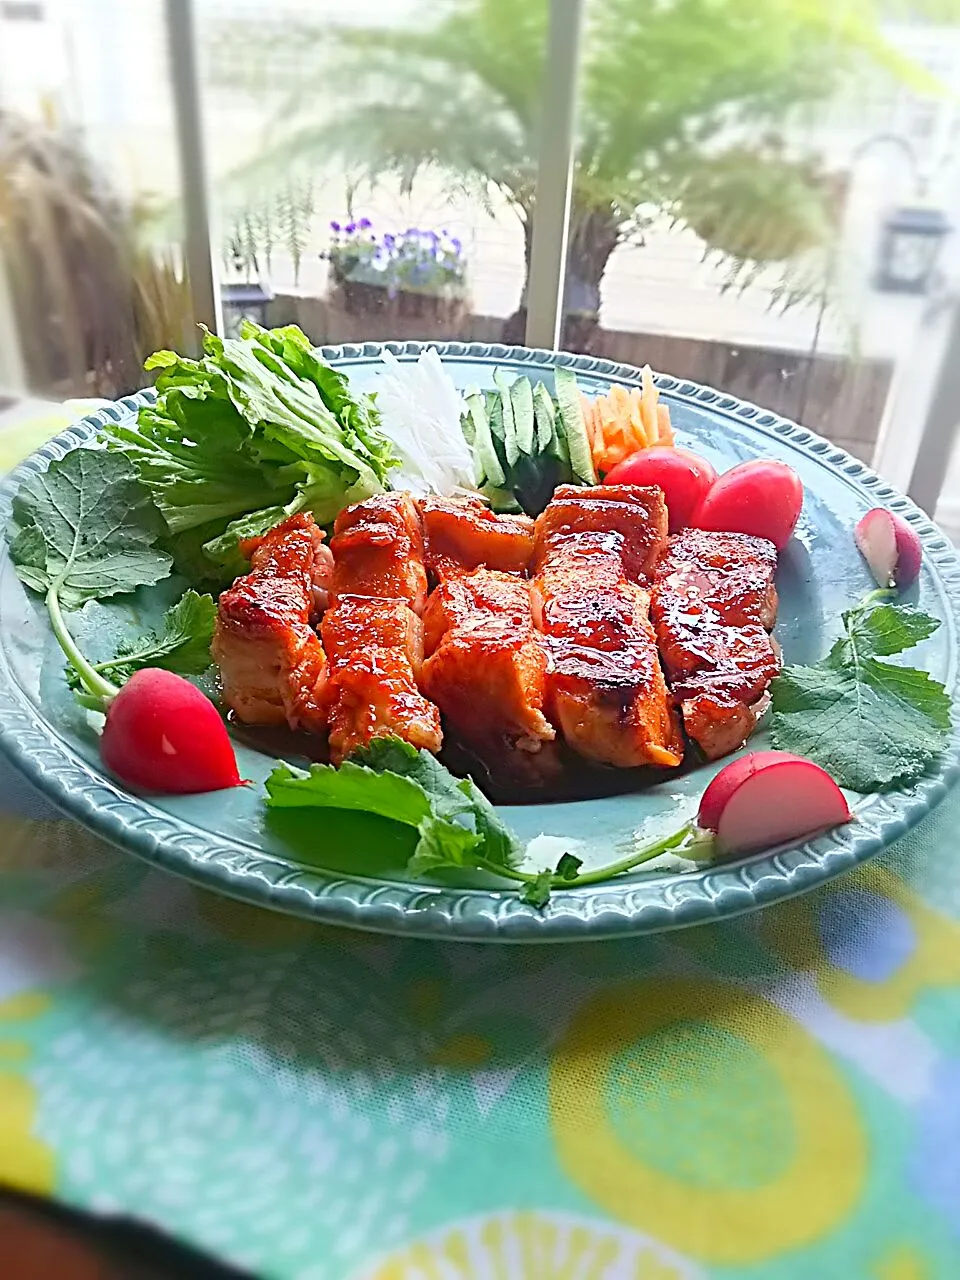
(357, 298)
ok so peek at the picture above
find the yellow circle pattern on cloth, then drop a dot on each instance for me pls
(675, 1136)
(934, 960)
(533, 1246)
(25, 1161)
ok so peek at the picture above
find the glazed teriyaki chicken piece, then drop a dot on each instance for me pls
(606, 692)
(378, 551)
(486, 668)
(372, 631)
(714, 604)
(465, 534)
(271, 662)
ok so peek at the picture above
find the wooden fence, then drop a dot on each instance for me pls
(840, 398)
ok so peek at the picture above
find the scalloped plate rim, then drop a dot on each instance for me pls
(636, 907)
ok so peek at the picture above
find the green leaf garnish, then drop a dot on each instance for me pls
(458, 826)
(86, 528)
(258, 428)
(568, 867)
(537, 891)
(884, 629)
(868, 723)
(182, 644)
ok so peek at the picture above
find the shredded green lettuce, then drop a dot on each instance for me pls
(258, 428)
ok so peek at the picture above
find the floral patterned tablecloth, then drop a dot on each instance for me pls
(778, 1096)
(775, 1097)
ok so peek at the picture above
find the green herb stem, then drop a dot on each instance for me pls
(600, 874)
(646, 854)
(94, 682)
(876, 596)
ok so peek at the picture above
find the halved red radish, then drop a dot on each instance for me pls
(768, 797)
(163, 735)
(890, 547)
(762, 498)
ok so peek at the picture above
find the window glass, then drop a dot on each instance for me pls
(762, 202)
(374, 163)
(91, 279)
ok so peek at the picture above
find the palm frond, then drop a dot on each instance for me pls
(669, 91)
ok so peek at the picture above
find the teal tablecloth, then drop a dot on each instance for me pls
(776, 1097)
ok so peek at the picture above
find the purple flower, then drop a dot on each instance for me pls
(350, 228)
(364, 224)
(456, 245)
(334, 226)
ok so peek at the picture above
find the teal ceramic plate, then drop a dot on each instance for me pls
(226, 842)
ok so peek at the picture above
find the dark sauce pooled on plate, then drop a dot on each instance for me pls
(577, 779)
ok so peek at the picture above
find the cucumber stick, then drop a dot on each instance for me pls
(467, 424)
(543, 416)
(511, 449)
(521, 401)
(486, 463)
(574, 428)
(495, 415)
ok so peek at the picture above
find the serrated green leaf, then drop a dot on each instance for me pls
(887, 629)
(911, 687)
(868, 723)
(867, 729)
(86, 526)
(457, 824)
(352, 786)
(442, 845)
(537, 891)
(181, 644)
(258, 423)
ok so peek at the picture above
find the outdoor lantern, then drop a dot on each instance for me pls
(244, 301)
(909, 247)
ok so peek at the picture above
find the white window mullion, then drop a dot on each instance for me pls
(551, 207)
(198, 240)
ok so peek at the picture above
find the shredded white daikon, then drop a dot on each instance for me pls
(420, 410)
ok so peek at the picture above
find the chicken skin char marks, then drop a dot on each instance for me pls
(605, 688)
(486, 668)
(713, 603)
(464, 535)
(373, 633)
(375, 651)
(271, 662)
(627, 524)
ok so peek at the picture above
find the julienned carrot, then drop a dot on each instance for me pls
(625, 421)
(648, 400)
(586, 407)
(663, 422)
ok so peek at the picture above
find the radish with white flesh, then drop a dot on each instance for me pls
(890, 547)
(768, 797)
